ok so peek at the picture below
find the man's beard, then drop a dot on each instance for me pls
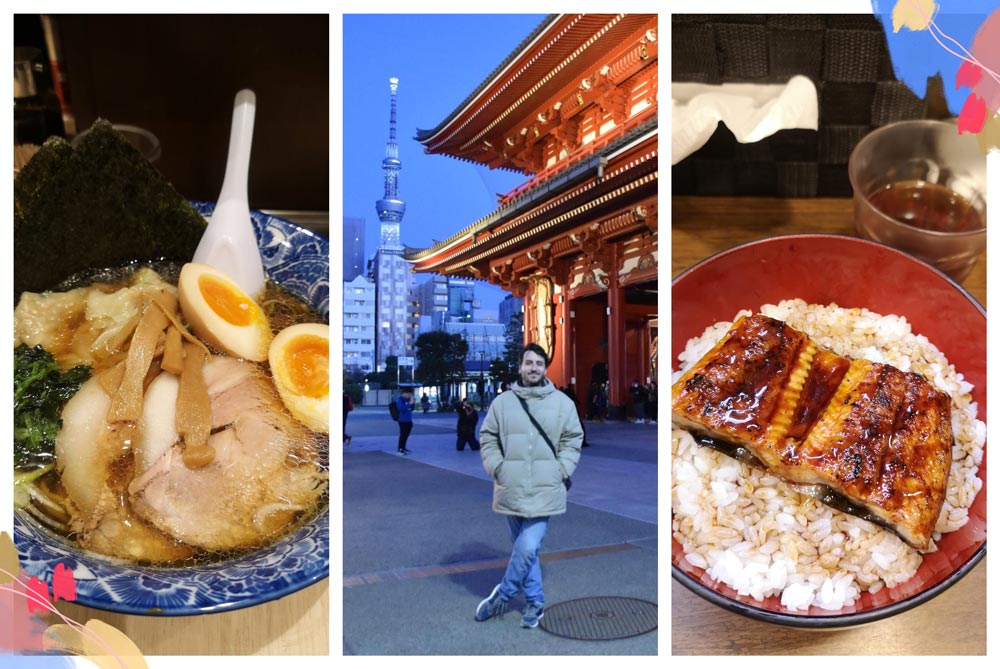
(528, 384)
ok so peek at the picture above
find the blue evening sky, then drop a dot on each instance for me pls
(439, 60)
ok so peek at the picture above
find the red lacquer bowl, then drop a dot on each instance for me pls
(853, 273)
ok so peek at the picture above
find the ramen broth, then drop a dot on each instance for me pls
(148, 544)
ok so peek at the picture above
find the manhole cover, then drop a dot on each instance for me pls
(600, 618)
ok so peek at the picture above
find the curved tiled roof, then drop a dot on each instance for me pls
(540, 192)
(562, 49)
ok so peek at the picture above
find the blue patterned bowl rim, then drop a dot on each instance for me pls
(298, 259)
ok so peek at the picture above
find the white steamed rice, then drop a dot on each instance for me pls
(749, 529)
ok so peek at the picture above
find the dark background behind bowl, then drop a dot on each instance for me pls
(177, 76)
(844, 55)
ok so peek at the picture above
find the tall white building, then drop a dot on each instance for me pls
(359, 325)
(395, 320)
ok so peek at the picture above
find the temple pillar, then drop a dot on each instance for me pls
(561, 370)
(617, 384)
(647, 340)
(644, 352)
(588, 323)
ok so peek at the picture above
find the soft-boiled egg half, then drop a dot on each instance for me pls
(300, 364)
(221, 314)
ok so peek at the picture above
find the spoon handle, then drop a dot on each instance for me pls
(229, 243)
(234, 184)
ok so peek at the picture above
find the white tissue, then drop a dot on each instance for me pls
(751, 111)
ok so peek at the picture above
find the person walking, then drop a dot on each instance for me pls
(425, 403)
(571, 394)
(651, 407)
(404, 403)
(601, 403)
(638, 393)
(348, 408)
(530, 445)
(468, 418)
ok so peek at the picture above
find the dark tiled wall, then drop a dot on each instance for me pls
(845, 56)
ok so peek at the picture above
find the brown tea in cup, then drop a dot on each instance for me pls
(927, 206)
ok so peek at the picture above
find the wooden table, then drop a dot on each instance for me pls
(294, 625)
(953, 623)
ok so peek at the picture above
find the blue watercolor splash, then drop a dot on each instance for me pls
(917, 56)
(36, 661)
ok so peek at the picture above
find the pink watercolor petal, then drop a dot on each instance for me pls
(37, 591)
(20, 632)
(968, 75)
(63, 584)
(986, 51)
(973, 115)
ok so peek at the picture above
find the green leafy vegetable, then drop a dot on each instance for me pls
(40, 390)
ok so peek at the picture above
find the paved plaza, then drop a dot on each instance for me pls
(422, 547)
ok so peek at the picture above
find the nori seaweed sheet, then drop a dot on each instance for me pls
(98, 205)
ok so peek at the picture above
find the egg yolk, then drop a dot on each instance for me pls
(306, 360)
(231, 304)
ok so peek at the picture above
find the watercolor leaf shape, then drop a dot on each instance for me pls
(27, 602)
(975, 68)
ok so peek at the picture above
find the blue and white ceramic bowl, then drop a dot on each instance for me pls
(299, 260)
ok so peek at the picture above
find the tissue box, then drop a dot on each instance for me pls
(846, 58)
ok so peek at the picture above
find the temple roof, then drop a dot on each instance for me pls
(539, 193)
(578, 180)
(574, 108)
(550, 61)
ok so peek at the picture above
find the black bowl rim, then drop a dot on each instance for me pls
(834, 620)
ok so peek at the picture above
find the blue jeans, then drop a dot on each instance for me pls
(524, 571)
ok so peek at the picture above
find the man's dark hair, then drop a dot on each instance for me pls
(537, 350)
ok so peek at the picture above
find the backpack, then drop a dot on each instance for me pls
(394, 410)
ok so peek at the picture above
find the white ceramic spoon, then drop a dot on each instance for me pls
(229, 243)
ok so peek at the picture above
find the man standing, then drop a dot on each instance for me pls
(404, 403)
(638, 393)
(468, 417)
(348, 408)
(530, 445)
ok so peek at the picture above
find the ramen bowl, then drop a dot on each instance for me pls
(298, 260)
(850, 272)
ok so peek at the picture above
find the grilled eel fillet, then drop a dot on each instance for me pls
(877, 435)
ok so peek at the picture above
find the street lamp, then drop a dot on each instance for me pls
(482, 376)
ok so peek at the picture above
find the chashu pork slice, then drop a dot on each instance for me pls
(265, 470)
(877, 435)
(94, 462)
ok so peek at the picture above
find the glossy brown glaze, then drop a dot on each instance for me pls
(826, 372)
(885, 441)
(735, 389)
(877, 435)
